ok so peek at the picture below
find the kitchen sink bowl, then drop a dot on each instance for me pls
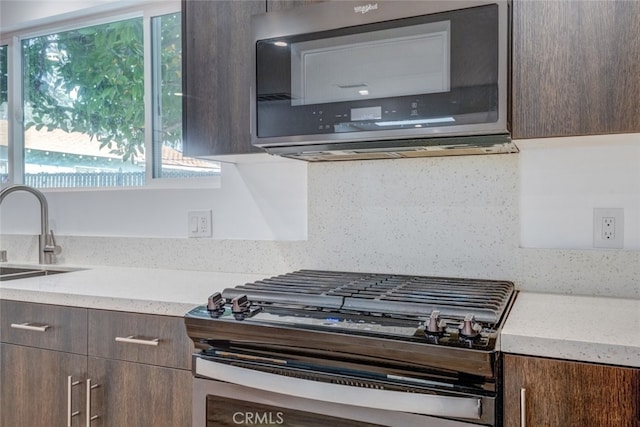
(14, 273)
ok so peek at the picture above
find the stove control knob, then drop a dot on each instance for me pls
(215, 302)
(468, 328)
(434, 324)
(240, 304)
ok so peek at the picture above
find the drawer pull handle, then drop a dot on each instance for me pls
(29, 327)
(90, 418)
(70, 413)
(132, 340)
(523, 407)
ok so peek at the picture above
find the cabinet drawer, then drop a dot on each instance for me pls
(144, 338)
(44, 326)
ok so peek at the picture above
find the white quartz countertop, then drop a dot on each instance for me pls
(582, 328)
(138, 290)
(590, 329)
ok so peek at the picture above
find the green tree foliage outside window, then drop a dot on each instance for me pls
(91, 80)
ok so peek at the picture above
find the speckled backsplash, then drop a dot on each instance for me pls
(439, 216)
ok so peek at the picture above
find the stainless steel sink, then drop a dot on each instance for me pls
(13, 273)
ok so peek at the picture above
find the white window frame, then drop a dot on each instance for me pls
(14, 155)
(146, 10)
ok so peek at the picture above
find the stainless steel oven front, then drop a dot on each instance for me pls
(228, 395)
(318, 348)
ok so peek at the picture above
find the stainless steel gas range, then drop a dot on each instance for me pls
(313, 348)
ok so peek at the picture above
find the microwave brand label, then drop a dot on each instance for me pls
(365, 8)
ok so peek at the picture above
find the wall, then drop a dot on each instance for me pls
(262, 200)
(450, 216)
(563, 179)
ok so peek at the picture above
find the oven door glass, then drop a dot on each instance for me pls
(227, 395)
(427, 71)
(222, 412)
(220, 404)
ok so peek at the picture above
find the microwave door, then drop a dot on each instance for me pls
(382, 64)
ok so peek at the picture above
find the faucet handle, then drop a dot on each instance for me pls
(52, 247)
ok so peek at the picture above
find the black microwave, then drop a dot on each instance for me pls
(348, 80)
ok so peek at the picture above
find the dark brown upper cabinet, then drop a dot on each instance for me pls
(216, 49)
(216, 74)
(576, 68)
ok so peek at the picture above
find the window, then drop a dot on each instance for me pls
(87, 121)
(167, 91)
(4, 110)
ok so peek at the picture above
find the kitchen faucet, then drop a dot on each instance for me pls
(47, 242)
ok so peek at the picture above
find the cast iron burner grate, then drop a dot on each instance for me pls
(383, 294)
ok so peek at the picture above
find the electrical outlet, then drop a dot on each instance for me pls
(608, 228)
(199, 224)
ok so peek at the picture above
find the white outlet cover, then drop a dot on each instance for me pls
(199, 224)
(599, 240)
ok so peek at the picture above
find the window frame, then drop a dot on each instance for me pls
(146, 11)
(15, 156)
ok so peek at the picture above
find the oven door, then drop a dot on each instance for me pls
(226, 395)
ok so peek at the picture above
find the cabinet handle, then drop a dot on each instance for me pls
(70, 414)
(132, 340)
(29, 327)
(523, 407)
(89, 417)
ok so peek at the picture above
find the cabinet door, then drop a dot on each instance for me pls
(576, 67)
(136, 395)
(34, 387)
(217, 75)
(570, 394)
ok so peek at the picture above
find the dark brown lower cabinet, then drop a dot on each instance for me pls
(136, 395)
(560, 393)
(33, 389)
(134, 368)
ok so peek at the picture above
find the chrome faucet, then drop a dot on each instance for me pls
(47, 241)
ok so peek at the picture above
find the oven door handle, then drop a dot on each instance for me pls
(426, 404)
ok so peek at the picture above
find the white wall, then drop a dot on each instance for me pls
(260, 201)
(564, 179)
